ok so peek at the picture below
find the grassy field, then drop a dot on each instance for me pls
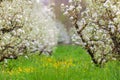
(66, 63)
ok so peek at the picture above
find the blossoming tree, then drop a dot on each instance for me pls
(23, 28)
(98, 27)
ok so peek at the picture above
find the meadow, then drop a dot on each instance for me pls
(68, 62)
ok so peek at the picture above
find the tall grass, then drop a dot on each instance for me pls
(68, 62)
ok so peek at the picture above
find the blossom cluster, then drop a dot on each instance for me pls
(71, 9)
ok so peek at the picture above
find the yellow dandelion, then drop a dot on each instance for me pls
(20, 69)
(55, 65)
(28, 70)
(49, 60)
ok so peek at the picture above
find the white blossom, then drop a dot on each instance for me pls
(65, 13)
(71, 7)
(70, 1)
(71, 18)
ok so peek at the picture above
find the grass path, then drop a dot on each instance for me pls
(67, 63)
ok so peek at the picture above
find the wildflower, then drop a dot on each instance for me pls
(49, 60)
(19, 69)
(55, 65)
(27, 70)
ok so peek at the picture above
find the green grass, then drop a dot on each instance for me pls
(67, 63)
